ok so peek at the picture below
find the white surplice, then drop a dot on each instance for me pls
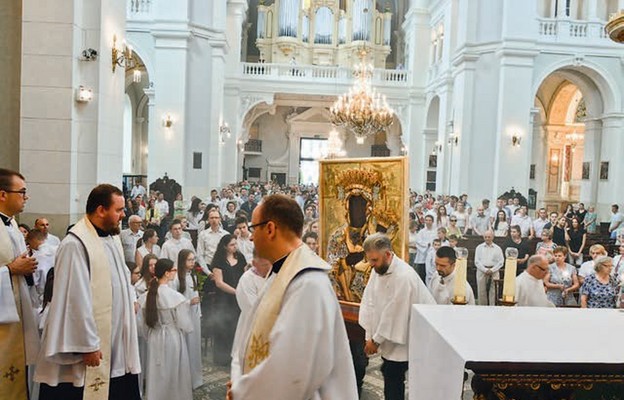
(193, 339)
(309, 352)
(172, 247)
(70, 327)
(530, 292)
(386, 305)
(442, 289)
(249, 288)
(168, 372)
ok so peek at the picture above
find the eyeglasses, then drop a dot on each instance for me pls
(251, 226)
(21, 191)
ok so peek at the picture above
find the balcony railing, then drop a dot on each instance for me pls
(316, 73)
(253, 146)
(139, 9)
(560, 30)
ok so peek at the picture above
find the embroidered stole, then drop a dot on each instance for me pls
(97, 379)
(258, 344)
(13, 379)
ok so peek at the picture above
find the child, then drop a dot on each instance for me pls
(166, 320)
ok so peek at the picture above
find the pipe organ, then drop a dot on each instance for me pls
(323, 32)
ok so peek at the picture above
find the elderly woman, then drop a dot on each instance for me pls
(561, 280)
(600, 289)
(587, 268)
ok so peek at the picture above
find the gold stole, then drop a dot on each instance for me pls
(97, 379)
(13, 379)
(258, 344)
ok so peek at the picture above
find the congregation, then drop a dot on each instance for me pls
(194, 272)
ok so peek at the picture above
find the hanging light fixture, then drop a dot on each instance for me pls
(362, 110)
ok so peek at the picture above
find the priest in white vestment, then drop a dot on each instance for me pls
(530, 290)
(172, 247)
(19, 336)
(385, 310)
(89, 346)
(442, 287)
(295, 344)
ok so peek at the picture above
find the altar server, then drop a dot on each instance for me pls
(442, 287)
(186, 283)
(530, 291)
(91, 322)
(167, 320)
(19, 337)
(385, 310)
(295, 346)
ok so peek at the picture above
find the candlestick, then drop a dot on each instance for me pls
(461, 266)
(509, 284)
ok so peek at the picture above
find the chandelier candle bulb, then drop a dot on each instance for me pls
(461, 268)
(511, 266)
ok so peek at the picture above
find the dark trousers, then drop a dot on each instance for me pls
(122, 388)
(360, 362)
(394, 379)
(421, 270)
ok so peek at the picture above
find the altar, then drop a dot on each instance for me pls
(509, 346)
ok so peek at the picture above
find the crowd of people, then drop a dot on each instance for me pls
(176, 256)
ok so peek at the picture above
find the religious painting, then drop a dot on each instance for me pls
(604, 170)
(433, 161)
(586, 169)
(358, 197)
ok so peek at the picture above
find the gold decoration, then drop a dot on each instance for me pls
(259, 351)
(97, 383)
(10, 374)
(615, 27)
(359, 180)
(362, 110)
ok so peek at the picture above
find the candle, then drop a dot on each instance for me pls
(511, 265)
(461, 266)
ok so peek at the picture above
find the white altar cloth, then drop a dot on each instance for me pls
(444, 338)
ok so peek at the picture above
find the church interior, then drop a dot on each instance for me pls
(498, 118)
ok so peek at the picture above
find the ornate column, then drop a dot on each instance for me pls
(611, 175)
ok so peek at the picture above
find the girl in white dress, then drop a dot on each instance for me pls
(166, 317)
(186, 284)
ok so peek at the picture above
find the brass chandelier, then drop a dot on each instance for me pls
(362, 110)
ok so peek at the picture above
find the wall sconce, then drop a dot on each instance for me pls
(453, 139)
(437, 147)
(224, 132)
(515, 140)
(84, 94)
(123, 56)
(167, 121)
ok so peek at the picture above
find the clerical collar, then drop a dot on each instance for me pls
(100, 232)
(6, 219)
(277, 265)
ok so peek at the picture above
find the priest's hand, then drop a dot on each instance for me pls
(370, 347)
(195, 300)
(92, 359)
(228, 395)
(23, 265)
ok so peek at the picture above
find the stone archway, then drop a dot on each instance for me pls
(137, 89)
(568, 103)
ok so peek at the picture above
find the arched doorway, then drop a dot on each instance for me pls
(565, 100)
(432, 146)
(136, 122)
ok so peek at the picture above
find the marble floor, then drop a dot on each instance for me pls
(215, 378)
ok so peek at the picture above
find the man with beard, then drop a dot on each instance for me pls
(85, 352)
(385, 311)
